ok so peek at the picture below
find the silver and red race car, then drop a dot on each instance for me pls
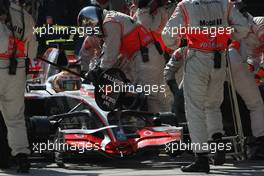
(82, 121)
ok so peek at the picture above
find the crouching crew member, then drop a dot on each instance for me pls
(130, 47)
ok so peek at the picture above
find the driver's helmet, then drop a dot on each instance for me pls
(65, 81)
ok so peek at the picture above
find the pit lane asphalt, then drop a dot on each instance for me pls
(160, 166)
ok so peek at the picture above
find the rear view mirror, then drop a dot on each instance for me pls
(31, 87)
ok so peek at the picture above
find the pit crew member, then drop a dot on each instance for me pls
(204, 70)
(17, 43)
(133, 45)
(249, 49)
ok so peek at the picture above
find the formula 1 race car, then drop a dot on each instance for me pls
(73, 123)
(81, 122)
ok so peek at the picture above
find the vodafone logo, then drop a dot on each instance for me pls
(148, 133)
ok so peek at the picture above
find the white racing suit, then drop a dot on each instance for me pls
(254, 46)
(155, 24)
(244, 80)
(121, 50)
(203, 83)
(12, 87)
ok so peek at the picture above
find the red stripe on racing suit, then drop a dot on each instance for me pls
(203, 39)
(158, 37)
(131, 42)
(208, 42)
(235, 44)
(14, 43)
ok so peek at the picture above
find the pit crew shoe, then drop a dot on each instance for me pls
(4, 165)
(201, 164)
(257, 151)
(219, 155)
(4, 161)
(23, 164)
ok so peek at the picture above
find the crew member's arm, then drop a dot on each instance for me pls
(111, 46)
(238, 22)
(86, 54)
(170, 33)
(154, 22)
(30, 37)
(91, 48)
(173, 66)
